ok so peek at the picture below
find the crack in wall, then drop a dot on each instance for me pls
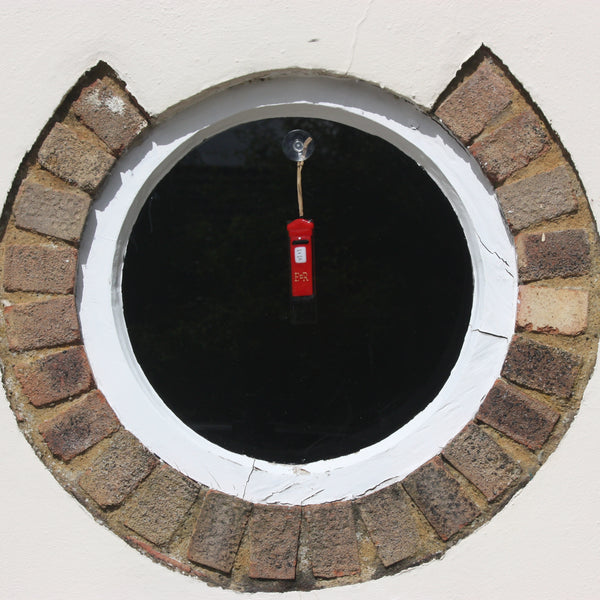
(356, 32)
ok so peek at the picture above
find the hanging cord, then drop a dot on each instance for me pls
(299, 188)
(299, 178)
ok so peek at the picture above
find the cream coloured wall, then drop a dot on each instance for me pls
(544, 543)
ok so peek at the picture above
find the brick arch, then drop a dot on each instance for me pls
(226, 540)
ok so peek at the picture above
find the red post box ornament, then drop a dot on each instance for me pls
(300, 233)
(298, 145)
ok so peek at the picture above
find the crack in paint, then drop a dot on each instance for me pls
(248, 480)
(285, 489)
(497, 335)
(379, 485)
(492, 252)
(214, 479)
(355, 38)
(305, 500)
(343, 498)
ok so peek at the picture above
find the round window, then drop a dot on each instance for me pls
(192, 340)
(207, 302)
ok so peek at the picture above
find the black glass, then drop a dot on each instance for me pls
(206, 292)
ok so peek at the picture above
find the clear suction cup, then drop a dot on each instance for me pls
(298, 145)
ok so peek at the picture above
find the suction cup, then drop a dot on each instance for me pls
(298, 145)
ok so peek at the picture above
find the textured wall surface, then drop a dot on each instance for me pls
(542, 545)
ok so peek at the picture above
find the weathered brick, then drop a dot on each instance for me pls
(40, 269)
(553, 254)
(542, 197)
(540, 367)
(511, 147)
(157, 556)
(83, 424)
(387, 516)
(51, 208)
(440, 498)
(107, 110)
(332, 539)
(475, 102)
(482, 461)
(274, 532)
(118, 471)
(519, 416)
(160, 504)
(42, 324)
(552, 310)
(219, 531)
(56, 377)
(74, 159)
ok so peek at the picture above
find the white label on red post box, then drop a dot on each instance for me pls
(300, 254)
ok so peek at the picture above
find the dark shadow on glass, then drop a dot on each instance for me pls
(206, 292)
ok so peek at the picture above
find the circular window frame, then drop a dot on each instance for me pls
(364, 107)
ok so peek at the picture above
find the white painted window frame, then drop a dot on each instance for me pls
(358, 105)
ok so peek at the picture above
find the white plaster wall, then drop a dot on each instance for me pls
(546, 542)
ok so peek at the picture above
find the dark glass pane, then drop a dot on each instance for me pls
(206, 292)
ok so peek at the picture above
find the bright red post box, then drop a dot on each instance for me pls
(300, 233)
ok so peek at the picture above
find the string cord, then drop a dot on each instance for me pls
(299, 188)
(299, 178)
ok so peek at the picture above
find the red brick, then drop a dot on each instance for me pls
(540, 367)
(219, 531)
(440, 498)
(42, 324)
(274, 532)
(56, 377)
(553, 254)
(387, 516)
(552, 310)
(40, 269)
(482, 461)
(50, 207)
(83, 424)
(521, 417)
(332, 540)
(160, 504)
(107, 110)
(511, 147)
(475, 102)
(118, 471)
(542, 197)
(74, 159)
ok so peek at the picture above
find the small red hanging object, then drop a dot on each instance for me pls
(300, 233)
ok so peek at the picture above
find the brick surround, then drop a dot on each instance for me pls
(225, 540)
